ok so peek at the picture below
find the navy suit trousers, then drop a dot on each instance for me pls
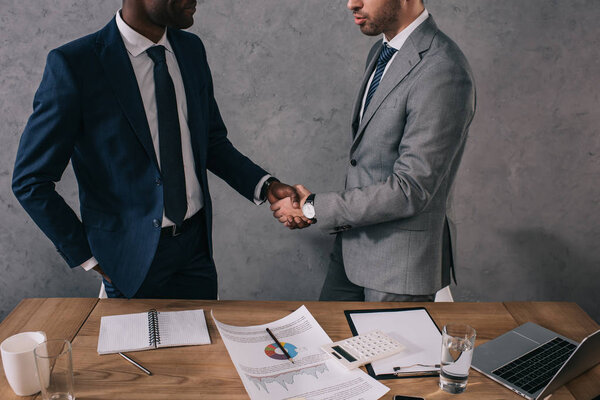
(182, 268)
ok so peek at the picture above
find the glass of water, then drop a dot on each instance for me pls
(458, 341)
(55, 369)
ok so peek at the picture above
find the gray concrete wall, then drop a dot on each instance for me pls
(285, 71)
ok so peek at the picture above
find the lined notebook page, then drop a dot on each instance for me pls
(182, 328)
(127, 332)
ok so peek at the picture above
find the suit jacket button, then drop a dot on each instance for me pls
(158, 182)
(353, 162)
(156, 223)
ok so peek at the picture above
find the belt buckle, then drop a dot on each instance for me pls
(176, 231)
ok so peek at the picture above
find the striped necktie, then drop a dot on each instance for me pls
(384, 57)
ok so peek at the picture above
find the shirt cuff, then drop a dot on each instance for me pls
(89, 264)
(257, 199)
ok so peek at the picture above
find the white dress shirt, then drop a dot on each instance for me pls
(143, 67)
(397, 42)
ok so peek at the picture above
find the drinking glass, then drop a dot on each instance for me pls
(458, 341)
(55, 369)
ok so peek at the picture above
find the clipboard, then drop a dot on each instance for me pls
(413, 327)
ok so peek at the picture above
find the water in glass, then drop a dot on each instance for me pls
(61, 396)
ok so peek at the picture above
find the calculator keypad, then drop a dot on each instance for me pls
(363, 349)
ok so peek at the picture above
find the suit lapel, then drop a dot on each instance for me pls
(406, 59)
(361, 91)
(189, 79)
(192, 88)
(116, 63)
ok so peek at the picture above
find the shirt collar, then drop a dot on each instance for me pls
(136, 43)
(400, 38)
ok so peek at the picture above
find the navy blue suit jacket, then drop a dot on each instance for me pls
(88, 109)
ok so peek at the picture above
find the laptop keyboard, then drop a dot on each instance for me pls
(532, 371)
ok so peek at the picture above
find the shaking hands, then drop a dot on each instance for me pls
(286, 204)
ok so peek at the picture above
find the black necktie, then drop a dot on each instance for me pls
(169, 139)
(384, 57)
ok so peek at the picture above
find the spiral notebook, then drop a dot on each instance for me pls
(151, 330)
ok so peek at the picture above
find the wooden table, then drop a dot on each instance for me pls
(206, 372)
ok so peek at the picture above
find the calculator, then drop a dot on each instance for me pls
(363, 349)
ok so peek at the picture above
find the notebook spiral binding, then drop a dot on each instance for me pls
(153, 332)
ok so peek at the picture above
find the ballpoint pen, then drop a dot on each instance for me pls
(279, 345)
(135, 363)
(398, 371)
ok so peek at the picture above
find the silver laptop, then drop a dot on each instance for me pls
(534, 361)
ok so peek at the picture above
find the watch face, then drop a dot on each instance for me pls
(308, 210)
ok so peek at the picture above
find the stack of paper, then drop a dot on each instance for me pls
(267, 373)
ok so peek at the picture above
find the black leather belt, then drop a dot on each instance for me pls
(174, 230)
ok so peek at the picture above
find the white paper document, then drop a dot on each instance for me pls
(413, 328)
(267, 374)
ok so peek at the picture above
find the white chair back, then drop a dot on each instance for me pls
(444, 295)
(102, 294)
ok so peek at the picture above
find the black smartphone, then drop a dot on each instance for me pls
(398, 397)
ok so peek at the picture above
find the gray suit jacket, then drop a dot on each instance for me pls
(404, 157)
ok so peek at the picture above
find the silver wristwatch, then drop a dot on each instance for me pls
(308, 209)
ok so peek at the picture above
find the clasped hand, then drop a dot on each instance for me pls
(286, 204)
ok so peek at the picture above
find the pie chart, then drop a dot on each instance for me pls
(275, 352)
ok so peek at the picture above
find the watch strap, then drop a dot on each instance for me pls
(265, 188)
